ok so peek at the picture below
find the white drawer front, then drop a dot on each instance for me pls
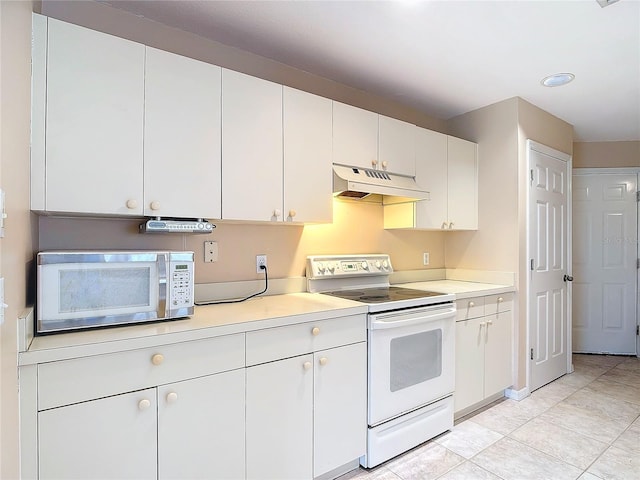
(77, 380)
(283, 342)
(498, 303)
(469, 308)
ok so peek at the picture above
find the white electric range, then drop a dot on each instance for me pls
(411, 351)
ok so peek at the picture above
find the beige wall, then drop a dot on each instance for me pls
(501, 131)
(16, 247)
(606, 154)
(356, 228)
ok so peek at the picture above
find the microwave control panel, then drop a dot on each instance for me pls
(181, 284)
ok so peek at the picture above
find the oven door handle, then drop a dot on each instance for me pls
(428, 317)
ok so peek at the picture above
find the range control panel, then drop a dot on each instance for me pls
(322, 266)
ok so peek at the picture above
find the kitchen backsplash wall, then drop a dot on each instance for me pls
(357, 228)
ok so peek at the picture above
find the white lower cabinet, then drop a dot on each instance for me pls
(112, 437)
(279, 403)
(484, 349)
(306, 415)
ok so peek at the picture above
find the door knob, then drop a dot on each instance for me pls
(568, 278)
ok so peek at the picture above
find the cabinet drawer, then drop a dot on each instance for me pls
(498, 303)
(283, 342)
(81, 379)
(469, 308)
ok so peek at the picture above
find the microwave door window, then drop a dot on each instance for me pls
(108, 290)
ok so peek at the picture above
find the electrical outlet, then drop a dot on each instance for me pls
(210, 252)
(260, 260)
(425, 258)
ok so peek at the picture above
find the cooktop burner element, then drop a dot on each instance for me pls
(382, 294)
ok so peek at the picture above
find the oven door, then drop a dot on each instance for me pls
(411, 359)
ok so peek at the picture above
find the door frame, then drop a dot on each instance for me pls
(623, 171)
(532, 145)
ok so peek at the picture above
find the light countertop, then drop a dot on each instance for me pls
(207, 321)
(459, 288)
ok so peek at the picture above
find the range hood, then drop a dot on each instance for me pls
(362, 183)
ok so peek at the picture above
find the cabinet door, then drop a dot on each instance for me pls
(201, 427)
(113, 437)
(470, 338)
(463, 184)
(431, 174)
(280, 419)
(95, 101)
(498, 356)
(182, 137)
(396, 146)
(355, 136)
(251, 148)
(308, 175)
(340, 406)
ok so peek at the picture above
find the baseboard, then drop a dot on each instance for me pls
(517, 394)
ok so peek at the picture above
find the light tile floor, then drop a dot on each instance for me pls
(585, 425)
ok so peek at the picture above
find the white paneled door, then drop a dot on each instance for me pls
(548, 304)
(605, 238)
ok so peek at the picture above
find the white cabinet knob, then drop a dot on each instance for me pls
(323, 361)
(292, 213)
(384, 165)
(472, 304)
(450, 225)
(374, 163)
(157, 359)
(172, 397)
(144, 404)
(132, 204)
(277, 212)
(315, 331)
(306, 365)
(500, 299)
(482, 324)
(489, 322)
(444, 225)
(155, 205)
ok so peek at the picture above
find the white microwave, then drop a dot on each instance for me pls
(81, 289)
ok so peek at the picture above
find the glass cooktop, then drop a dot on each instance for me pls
(382, 294)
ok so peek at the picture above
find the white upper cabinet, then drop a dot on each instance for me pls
(308, 174)
(462, 181)
(94, 122)
(446, 167)
(182, 136)
(365, 139)
(355, 136)
(396, 146)
(251, 148)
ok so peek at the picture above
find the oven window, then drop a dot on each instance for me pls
(415, 359)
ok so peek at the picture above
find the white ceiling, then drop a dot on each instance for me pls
(444, 58)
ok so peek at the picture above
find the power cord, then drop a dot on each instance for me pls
(266, 285)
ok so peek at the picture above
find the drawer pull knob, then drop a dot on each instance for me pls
(472, 304)
(144, 404)
(489, 322)
(132, 204)
(500, 299)
(306, 365)
(315, 331)
(482, 324)
(172, 397)
(157, 359)
(323, 361)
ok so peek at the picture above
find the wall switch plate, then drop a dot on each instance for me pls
(425, 258)
(261, 260)
(210, 252)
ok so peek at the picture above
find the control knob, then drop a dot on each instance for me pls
(378, 264)
(332, 267)
(365, 265)
(385, 264)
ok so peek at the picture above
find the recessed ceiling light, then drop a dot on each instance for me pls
(557, 79)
